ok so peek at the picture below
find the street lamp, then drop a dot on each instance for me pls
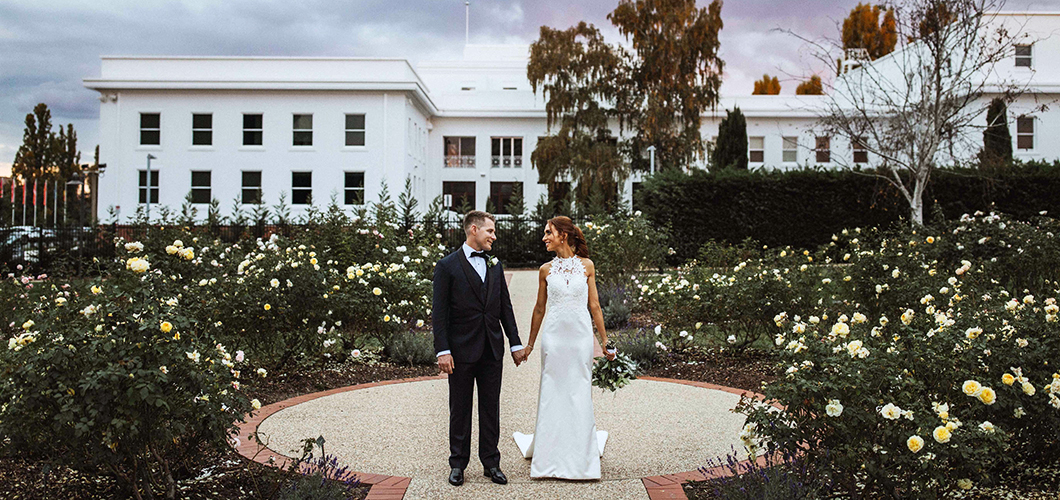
(149, 158)
(651, 151)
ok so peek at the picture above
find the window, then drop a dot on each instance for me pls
(459, 152)
(200, 187)
(507, 151)
(1023, 56)
(150, 129)
(458, 195)
(824, 149)
(354, 194)
(501, 194)
(861, 155)
(202, 129)
(252, 187)
(355, 130)
(154, 186)
(756, 149)
(1025, 132)
(791, 150)
(301, 188)
(303, 130)
(252, 127)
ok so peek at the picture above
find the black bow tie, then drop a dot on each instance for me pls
(479, 254)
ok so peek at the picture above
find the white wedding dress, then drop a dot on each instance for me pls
(565, 443)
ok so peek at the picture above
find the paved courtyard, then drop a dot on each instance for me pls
(401, 429)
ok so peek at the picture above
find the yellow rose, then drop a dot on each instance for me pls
(386, 319)
(1028, 389)
(96, 290)
(1008, 379)
(971, 388)
(915, 443)
(166, 326)
(987, 396)
(964, 484)
(255, 404)
(267, 307)
(377, 291)
(941, 434)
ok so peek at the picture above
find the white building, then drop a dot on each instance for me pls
(311, 128)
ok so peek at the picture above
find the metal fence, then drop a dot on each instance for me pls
(69, 251)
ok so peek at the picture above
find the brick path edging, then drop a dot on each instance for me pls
(383, 487)
(668, 486)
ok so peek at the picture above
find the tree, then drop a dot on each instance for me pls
(731, 149)
(813, 86)
(862, 30)
(36, 156)
(917, 109)
(67, 158)
(767, 86)
(997, 142)
(657, 90)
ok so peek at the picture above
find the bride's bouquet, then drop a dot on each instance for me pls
(614, 374)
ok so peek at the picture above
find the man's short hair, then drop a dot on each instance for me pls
(477, 218)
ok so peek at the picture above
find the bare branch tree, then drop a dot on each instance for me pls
(921, 106)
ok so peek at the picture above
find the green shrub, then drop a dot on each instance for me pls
(412, 347)
(621, 245)
(887, 335)
(117, 377)
(803, 208)
(614, 304)
(640, 345)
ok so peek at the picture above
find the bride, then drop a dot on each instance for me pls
(565, 443)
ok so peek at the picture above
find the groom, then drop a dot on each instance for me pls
(471, 306)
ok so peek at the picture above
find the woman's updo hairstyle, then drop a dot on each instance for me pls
(564, 226)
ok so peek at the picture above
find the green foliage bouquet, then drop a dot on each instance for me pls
(613, 374)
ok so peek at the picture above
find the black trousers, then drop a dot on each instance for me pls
(486, 373)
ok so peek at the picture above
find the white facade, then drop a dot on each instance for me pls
(407, 115)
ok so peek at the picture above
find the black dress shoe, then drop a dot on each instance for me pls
(456, 477)
(495, 475)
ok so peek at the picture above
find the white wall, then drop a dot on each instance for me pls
(328, 158)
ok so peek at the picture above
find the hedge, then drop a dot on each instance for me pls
(804, 208)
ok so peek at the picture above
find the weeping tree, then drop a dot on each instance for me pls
(923, 106)
(655, 92)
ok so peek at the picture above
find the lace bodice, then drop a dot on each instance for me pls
(568, 286)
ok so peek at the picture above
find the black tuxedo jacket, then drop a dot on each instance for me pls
(468, 317)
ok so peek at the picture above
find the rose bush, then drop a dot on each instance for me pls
(912, 360)
(116, 376)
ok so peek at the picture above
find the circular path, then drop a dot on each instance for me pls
(656, 428)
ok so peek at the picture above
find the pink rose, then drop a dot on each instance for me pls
(239, 356)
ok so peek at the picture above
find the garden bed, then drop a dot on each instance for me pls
(219, 475)
(746, 370)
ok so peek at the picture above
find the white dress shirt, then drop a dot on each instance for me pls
(479, 264)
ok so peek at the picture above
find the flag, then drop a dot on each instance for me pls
(45, 194)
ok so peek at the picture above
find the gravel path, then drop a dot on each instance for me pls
(655, 428)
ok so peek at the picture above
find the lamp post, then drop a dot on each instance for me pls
(149, 158)
(75, 180)
(651, 151)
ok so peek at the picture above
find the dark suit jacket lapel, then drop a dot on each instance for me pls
(472, 277)
(489, 282)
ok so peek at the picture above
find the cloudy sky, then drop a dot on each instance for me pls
(48, 46)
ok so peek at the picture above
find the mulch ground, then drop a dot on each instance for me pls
(220, 475)
(747, 370)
